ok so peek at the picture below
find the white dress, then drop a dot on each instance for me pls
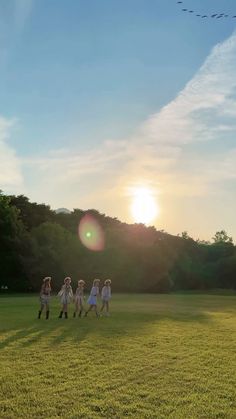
(92, 300)
(66, 294)
(79, 296)
(106, 293)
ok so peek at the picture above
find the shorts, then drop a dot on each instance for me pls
(106, 299)
(44, 299)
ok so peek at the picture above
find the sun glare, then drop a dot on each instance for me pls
(144, 207)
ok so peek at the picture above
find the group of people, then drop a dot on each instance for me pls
(67, 296)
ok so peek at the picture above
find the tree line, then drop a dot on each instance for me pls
(36, 241)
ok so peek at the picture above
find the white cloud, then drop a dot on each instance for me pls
(21, 12)
(204, 111)
(164, 152)
(13, 17)
(10, 171)
(199, 109)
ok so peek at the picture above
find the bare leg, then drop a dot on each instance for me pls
(61, 313)
(96, 310)
(65, 310)
(89, 309)
(76, 308)
(81, 309)
(47, 311)
(40, 311)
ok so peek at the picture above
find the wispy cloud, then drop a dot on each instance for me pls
(21, 12)
(14, 15)
(204, 111)
(200, 109)
(173, 150)
(159, 152)
(11, 178)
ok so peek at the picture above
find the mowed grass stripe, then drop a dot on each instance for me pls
(157, 356)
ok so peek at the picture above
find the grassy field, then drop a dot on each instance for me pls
(157, 356)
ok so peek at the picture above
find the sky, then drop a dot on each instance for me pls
(99, 98)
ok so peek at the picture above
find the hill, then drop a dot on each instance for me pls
(36, 241)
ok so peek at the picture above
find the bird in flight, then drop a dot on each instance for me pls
(214, 15)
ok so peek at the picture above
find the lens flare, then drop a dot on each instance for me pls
(91, 233)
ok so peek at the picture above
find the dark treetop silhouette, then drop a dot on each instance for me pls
(35, 242)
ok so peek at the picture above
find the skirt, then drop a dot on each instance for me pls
(65, 299)
(92, 300)
(79, 300)
(44, 299)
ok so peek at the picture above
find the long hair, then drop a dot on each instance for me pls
(96, 280)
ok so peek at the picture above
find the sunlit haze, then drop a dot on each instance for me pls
(144, 207)
(96, 95)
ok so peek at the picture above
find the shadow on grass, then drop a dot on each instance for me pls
(56, 332)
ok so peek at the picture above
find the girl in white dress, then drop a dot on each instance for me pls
(44, 296)
(106, 296)
(79, 298)
(92, 301)
(66, 295)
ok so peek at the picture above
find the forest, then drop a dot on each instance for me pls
(36, 241)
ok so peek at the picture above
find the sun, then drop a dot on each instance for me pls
(144, 207)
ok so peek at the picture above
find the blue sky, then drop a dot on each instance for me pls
(99, 96)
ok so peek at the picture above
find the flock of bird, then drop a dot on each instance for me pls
(202, 16)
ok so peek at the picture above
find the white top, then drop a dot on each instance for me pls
(106, 291)
(79, 292)
(66, 290)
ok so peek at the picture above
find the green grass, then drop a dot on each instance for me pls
(157, 356)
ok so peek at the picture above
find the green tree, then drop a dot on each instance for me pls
(31, 213)
(11, 237)
(222, 237)
(54, 252)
